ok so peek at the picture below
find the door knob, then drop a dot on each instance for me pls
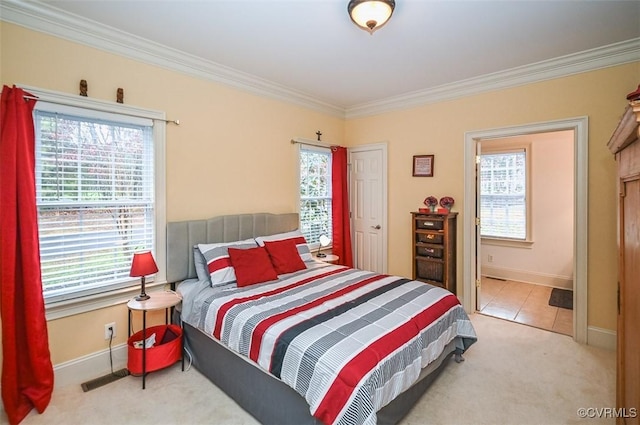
(377, 227)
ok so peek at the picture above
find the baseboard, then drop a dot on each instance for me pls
(603, 338)
(555, 281)
(86, 368)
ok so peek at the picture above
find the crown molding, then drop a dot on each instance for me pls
(588, 60)
(49, 20)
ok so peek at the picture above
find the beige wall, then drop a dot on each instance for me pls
(232, 154)
(439, 129)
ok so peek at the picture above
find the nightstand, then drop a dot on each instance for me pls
(330, 258)
(168, 347)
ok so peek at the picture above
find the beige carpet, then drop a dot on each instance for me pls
(514, 374)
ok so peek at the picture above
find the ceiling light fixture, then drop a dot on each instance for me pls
(370, 14)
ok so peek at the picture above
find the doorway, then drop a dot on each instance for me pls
(525, 198)
(473, 261)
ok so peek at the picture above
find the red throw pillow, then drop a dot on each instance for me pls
(284, 256)
(252, 266)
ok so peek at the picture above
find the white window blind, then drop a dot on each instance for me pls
(315, 193)
(95, 198)
(503, 186)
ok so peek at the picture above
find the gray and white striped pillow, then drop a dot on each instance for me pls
(297, 236)
(216, 256)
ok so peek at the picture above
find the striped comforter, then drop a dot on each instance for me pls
(349, 341)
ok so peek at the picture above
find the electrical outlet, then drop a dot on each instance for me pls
(110, 330)
(490, 258)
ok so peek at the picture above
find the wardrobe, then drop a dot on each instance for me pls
(625, 145)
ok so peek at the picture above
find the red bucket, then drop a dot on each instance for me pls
(166, 351)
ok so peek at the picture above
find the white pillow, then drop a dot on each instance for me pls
(216, 256)
(296, 235)
(201, 266)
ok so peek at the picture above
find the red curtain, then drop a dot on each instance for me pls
(27, 372)
(341, 234)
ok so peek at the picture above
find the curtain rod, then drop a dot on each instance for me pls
(311, 142)
(26, 97)
(176, 122)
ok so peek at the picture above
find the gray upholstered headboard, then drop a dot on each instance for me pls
(183, 235)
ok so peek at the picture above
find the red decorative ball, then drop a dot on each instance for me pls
(431, 201)
(447, 202)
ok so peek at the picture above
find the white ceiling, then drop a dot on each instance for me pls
(312, 47)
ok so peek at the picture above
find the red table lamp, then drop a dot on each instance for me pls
(142, 265)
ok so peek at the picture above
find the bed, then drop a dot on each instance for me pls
(317, 343)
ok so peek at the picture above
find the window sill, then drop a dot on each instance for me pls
(61, 309)
(512, 243)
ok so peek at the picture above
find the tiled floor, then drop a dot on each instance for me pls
(524, 303)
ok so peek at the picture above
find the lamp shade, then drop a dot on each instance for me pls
(370, 14)
(143, 264)
(324, 241)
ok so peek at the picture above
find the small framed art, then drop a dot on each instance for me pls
(423, 165)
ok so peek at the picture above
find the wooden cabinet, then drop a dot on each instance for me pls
(625, 145)
(434, 249)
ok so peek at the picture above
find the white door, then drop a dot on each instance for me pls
(368, 193)
(478, 276)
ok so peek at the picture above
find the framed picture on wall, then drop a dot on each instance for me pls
(423, 165)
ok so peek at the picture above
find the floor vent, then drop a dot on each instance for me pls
(104, 380)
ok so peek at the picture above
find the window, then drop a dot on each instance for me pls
(504, 195)
(315, 193)
(96, 197)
